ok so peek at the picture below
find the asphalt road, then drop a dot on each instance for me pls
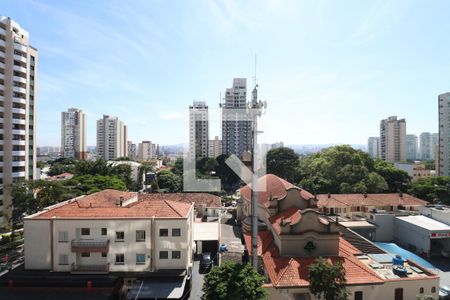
(197, 282)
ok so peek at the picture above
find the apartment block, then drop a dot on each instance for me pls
(373, 146)
(412, 147)
(198, 130)
(112, 138)
(132, 150)
(393, 139)
(236, 124)
(73, 134)
(111, 231)
(444, 134)
(18, 77)
(214, 147)
(147, 150)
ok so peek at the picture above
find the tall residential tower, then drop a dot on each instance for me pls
(112, 138)
(444, 133)
(73, 134)
(393, 139)
(18, 77)
(412, 147)
(198, 130)
(373, 146)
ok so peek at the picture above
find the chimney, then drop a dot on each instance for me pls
(329, 195)
(401, 194)
(121, 201)
(365, 195)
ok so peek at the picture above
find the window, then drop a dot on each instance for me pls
(176, 254)
(421, 290)
(176, 231)
(120, 259)
(433, 289)
(63, 236)
(164, 232)
(140, 235)
(63, 259)
(163, 254)
(140, 259)
(358, 295)
(120, 236)
(104, 254)
(104, 231)
(85, 231)
(398, 294)
(85, 254)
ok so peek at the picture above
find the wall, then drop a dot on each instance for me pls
(385, 227)
(407, 233)
(37, 244)
(325, 244)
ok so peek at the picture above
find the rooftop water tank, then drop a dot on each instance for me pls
(397, 260)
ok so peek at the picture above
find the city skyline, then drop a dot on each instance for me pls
(313, 61)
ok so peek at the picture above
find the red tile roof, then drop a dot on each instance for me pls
(293, 215)
(293, 271)
(105, 205)
(265, 239)
(345, 200)
(276, 187)
(206, 199)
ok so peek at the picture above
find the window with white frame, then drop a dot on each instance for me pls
(63, 236)
(63, 259)
(140, 259)
(176, 254)
(140, 235)
(85, 231)
(120, 259)
(120, 236)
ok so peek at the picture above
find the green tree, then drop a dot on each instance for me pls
(210, 165)
(283, 162)
(88, 184)
(229, 179)
(178, 167)
(395, 178)
(169, 181)
(433, 189)
(233, 281)
(327, 281)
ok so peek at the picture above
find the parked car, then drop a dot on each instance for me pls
(444, 293)
(206, 262)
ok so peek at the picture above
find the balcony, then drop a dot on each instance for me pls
(18, 68)
(20, 58)
(19, 111)
(90, 246)
(18, 174)
(18, 79)
(19, 89)
(2, 65)
(2, 42)
(2, 31)
(19, 131)
(18, 163)
(19, 100)
(20, 47)
(19, 121)
(17, 153)
(89, 269)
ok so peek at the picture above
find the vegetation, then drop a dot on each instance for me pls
(233, 281)
(283, 163)
(327, 281)
(169, 181)
(434, 189)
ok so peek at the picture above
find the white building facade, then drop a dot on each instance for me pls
(214, 147)
(444, 134)
(73, 134)
(198, 130)
(412, 147)
(393, 139)
(373, 146)
(18, 92)
(147, 150)
(112, 138)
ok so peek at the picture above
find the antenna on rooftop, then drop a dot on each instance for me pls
(254, 77)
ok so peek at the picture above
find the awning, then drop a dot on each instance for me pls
(206, 231)
(158, 288)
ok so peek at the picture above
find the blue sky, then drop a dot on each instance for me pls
(329, 70)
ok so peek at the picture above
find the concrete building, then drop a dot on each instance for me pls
(373, 146)
(393, 139)
(236, 128)
(444, 134)
(214, 147)
(73, 134)
(426, 146)
(112, 138)
(434, 143)
(132, 150)
(112, 231)
(293, 234)
(198, 130)
(147, 150)
(18, 91)
(412, 147)
(415, 170)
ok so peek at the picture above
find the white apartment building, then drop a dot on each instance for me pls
(393, 139)
(132, 150)
(214, 147)
(18, 77)
(426, 146)
(373, 146)
(198, 130)
(112, 138)
(73, 134)
(111, 231)
(412, 147)
(147, 150)
(444, 134)
(236, 128)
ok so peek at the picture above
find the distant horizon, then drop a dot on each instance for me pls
(329, 71)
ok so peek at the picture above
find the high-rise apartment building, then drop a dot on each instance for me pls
(236, 128)
(393, 139)
(412, 146)
(73, 134)
(214, 147)
(373, 146)
(132, 150)
(444, 134)
(198, 130)
(112, 138)
(18, 77)
(147, 150)
(426, 146)
(434, 143)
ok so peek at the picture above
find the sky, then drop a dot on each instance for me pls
(329, 70)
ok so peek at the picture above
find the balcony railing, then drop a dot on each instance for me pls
(89, 269)
(90, 246)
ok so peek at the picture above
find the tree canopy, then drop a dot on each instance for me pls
(433, 189)
(233, 281)
(327, 281)
(169, 181)
(283, 163)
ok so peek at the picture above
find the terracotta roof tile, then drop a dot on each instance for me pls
(105, 205)
(209, 200)
(345, 200)
(265, 239)
(292, 215)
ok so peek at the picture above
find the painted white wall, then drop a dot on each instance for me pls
(37, 244)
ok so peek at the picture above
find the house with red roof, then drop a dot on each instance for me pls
(297, 233)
